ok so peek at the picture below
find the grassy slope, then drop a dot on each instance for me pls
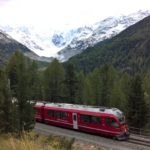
(32, 141)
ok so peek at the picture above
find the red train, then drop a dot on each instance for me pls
(97, 120)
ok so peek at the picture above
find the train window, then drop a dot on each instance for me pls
(95, 120)
(108, 121)
(111, 122)
(51, 113)
(90, 119)
(85, 118)
(63, 115)
(121, 117)
(57, 114)
(122, 120)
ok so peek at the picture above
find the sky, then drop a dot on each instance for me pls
(61, 14)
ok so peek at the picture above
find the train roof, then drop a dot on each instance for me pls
(106, 110)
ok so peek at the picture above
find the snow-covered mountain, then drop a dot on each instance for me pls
(100, 31)
(65, 44)
(8, 46)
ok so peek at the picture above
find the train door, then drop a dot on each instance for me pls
(75, 121)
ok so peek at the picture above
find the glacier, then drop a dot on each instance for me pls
(67, 43)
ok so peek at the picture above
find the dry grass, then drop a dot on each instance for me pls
(32, 141)
(25, 142)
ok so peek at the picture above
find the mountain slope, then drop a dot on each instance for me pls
(67, 43)
(102, 30)
(8, 46)
(129, 50)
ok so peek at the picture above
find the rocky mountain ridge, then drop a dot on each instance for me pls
(65, 44)
(8, 46)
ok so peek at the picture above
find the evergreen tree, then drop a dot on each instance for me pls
(147, 93)
(88, 92)
(137, 108)
(71, 83)
(125, 83)
(40, 84)
(34, 91)
(147, 86)
(95, 81)
(107, 75)
(53, 81)
(80, 81)
(120, 93)
(19, 84)
(117, 96)
(5, 104)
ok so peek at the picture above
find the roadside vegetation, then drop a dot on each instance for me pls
(32, 141)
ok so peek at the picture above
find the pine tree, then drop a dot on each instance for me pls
(19, 85)
(117, 97)
(53, 81)
(137, 108)
(147, 94)
(88, 94)
(147, 86)
(34, 81)
(80, 81)
(125, 83)
(107, 75)
(71, 83)
(5, 104)
(95, 81)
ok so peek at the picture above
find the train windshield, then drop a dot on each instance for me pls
(121, 117)
(122, 120)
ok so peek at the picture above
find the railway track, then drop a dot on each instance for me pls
(81, 136)
(133, 143)
(140, 142)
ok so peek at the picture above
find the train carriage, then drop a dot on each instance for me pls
(97, 120)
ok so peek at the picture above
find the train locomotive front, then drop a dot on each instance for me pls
(121, 124)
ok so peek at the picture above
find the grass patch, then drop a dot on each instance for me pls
(33, 141)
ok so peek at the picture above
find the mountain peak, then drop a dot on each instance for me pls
(128, 51)
(65, 44)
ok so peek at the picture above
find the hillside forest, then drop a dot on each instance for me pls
(22, 83)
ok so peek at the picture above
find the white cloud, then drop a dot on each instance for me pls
(59, 14)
